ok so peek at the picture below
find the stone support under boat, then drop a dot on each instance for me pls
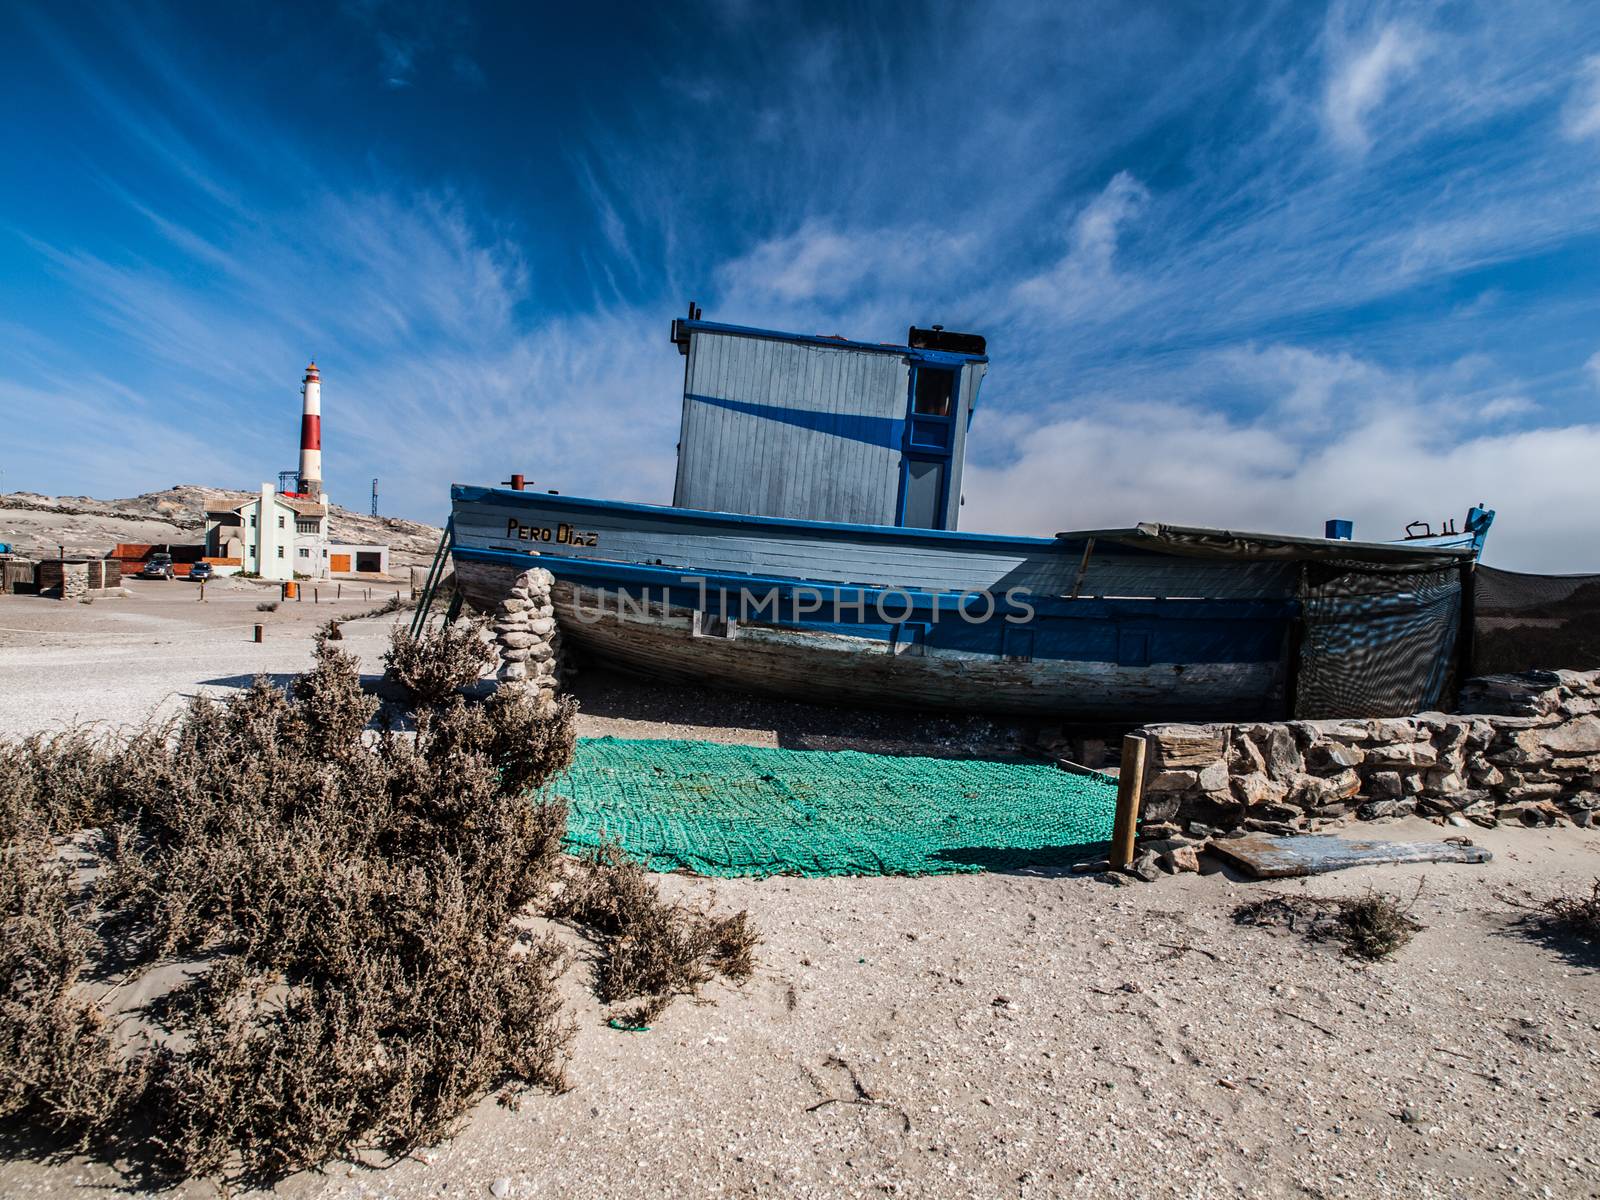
(526, 633)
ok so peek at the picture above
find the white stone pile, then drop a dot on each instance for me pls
(1526, 749)
(526, 634)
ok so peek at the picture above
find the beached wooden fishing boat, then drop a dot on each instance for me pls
(841, 577)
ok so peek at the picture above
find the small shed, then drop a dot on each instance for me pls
(16, 575)
(73, 578)
(825, 429)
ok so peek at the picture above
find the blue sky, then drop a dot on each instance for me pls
(1242, 265)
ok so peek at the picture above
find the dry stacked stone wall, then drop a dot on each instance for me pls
(1526, 748)
(526, 634)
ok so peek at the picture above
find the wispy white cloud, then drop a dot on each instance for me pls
(1592, 369)
(1400, 451)
(1361, 74)
(1085, 278)
(1580, 118)
(821, 264)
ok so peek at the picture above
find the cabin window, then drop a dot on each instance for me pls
(934, 391)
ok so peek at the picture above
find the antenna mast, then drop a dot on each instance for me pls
(374, 497)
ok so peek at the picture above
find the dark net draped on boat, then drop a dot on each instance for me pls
(1535, 622)
(1375, 643)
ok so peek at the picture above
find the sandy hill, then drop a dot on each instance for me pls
(36, 525)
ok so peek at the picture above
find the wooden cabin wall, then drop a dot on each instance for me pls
(801, 467)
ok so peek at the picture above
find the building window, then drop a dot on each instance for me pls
(280, 551)
(280, 520)
(304, 553)
(324, 554)
(252, 520)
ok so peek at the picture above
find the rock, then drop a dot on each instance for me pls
(1277, 812)
(1156, 830)
(1336, 756)
(1331, 812)
(1160, 806)
(1159, 846)
(1384, 783)
(1198, 829)
(1281, 828)
(1443, 782)
(512, 605)
(500, 1188)
(1185, 745)
(1487, 776)
(515, 656)
(1531, 815)
(1170, 781)
(1284, 760)
(1372, 810)
(1096, 867)
(1403, 754)
(513, 670)
(1245, 758)
(1580, 736)
(1311, 791)
(517, 641)
(1257, 789)
(1180, 859)
(1534, 792)
(1214, 777)
(1146, 867)
(1533, 693)
(541, 626)
(1583, 818)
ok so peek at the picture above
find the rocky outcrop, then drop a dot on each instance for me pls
(526, 633)
(1526, 748)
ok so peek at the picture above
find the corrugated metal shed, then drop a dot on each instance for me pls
(823, 429)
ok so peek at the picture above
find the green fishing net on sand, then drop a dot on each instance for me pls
(729, 810)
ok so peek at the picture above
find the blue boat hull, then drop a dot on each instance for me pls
(888, 616)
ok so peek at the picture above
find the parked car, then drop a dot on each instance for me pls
(158, 566)
(200, 572)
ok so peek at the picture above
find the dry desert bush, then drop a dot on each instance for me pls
(1372, 926)
(342, 900)
(650, 950)
(439, 663)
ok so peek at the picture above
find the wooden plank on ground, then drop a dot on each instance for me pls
(1267, 857)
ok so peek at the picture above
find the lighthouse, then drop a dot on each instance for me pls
(311, 433)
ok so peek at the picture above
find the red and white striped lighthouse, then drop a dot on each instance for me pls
(311, 433)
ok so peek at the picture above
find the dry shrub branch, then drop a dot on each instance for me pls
(649, 949)
(1372, 926)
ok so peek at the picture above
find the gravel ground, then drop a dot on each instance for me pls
(125, 657)
(990, 1035)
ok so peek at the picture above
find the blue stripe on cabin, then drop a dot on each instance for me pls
(874, 431)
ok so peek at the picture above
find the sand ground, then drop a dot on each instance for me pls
(981, 1035)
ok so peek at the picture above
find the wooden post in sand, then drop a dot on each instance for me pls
(258, 632)
(1130, 791)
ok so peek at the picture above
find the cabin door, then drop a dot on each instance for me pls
(929, 443)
